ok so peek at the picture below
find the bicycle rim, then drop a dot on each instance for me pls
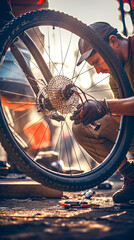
(36, 126)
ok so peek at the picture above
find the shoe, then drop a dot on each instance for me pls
(126, 193)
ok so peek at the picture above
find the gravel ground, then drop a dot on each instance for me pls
(35, 218)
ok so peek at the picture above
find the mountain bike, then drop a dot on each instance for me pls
(53, 86)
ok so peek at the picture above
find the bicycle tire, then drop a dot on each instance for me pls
(66, 182)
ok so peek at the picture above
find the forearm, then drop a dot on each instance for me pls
(121, 106)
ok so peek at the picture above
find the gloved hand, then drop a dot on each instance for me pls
(93, 110)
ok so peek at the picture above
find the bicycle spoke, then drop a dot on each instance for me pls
(49, 87)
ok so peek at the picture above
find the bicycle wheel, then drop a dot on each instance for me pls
(36, 107)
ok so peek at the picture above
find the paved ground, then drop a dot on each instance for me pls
(34, 218)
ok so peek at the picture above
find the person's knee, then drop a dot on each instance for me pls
(83, 133)
(76, 129)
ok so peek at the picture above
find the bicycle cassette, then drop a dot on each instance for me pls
(57, 97)
(57, 94)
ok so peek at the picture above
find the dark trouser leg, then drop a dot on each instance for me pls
(99, 143)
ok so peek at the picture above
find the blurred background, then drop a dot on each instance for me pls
(90, 11)
(118, 13)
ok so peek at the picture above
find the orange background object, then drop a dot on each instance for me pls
(22, 6)
(16, 105)
(38, 134)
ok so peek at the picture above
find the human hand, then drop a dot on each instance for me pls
(93, 110)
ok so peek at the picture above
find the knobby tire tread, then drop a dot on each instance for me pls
(30, 168)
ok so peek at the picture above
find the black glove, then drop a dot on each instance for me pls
(93, 110)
